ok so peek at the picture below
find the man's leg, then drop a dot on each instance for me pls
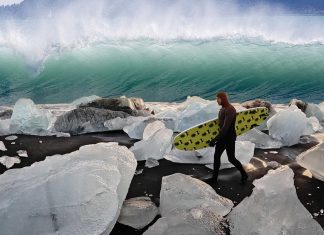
(230, 150)
(219, 149)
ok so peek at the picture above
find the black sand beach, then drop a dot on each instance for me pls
(309, 190)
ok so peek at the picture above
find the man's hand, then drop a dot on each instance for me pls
(212, 143)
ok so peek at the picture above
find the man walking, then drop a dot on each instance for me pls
(225, 140)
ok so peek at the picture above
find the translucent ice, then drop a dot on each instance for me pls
(138, 212)
(200, 220)
(77, 193)
(5, 127)
(11, 137)
(27, 118)
(273, 208)
(151, 162)
(22, 153)
(315, 110)
(2, 146)
(183, 192)
(287, 125)
(260, 139)
(312, 126)
(9, 161)
(313, 160)
(156, 146)
(151, 128)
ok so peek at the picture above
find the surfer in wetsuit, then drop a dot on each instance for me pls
(225, 140)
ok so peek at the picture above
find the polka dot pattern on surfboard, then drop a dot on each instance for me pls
(199, 136)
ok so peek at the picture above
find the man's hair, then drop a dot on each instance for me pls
(224, 98)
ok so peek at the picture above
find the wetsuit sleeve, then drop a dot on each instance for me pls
(229, 115)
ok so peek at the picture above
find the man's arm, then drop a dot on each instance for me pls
(229, 115)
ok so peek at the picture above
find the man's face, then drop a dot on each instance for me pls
(219, 100)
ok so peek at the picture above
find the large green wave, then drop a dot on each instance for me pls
(169, 71)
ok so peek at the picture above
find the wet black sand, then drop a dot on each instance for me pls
(310, 191)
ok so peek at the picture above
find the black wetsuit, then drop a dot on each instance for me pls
(225, 140)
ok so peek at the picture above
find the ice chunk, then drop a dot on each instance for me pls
(9, 161)
(260, 139)
(151, 162)
(202, 221)
(197, 113)
(287, 125)
(312, 126)
(151, 128)
(315, 110)
(138, 212)
(28, 119)
(11, 137)
(77, 193)
(5, 127)
(22, 153)
(136, 129)
(273, 208)
(2, 146)
(273, 164)
(244, 151)
(155, 147)
(183, 192)
(119, 123)
(181, 156)
(313, 160)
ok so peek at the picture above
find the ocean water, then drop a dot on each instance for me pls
(160, 52)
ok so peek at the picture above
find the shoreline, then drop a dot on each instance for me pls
(310, 191)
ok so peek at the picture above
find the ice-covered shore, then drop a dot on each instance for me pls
(104, 171)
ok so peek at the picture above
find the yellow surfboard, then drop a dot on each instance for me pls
(199, 136)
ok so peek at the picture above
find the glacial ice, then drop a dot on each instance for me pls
(77, 193)
(260, 139)
(8, 162)
(22, 153)
(11, 137)
(138, 212)
(313, 160)
(28, 119)
(2, 146)
(183, 192)
(273, 208)
(196, 113)
(189, 206)
(159, 144)
(151, 162)
(315, 110)
(151, 128)
(119, 123)
(312, 126)
(136, 129)
(5, 127)
(287, 125)
(199, 220)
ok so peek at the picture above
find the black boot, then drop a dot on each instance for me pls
(244, 177)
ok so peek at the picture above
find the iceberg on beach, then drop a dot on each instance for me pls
(273, 208)
(8, 162)
(77, 193)
(138, 212)
(287, 125)
(159, 144)
(312, 126)
(313, 160)
(190, 206)
(202, 221)
(27, 118)
(260, 139)
(179, 191)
